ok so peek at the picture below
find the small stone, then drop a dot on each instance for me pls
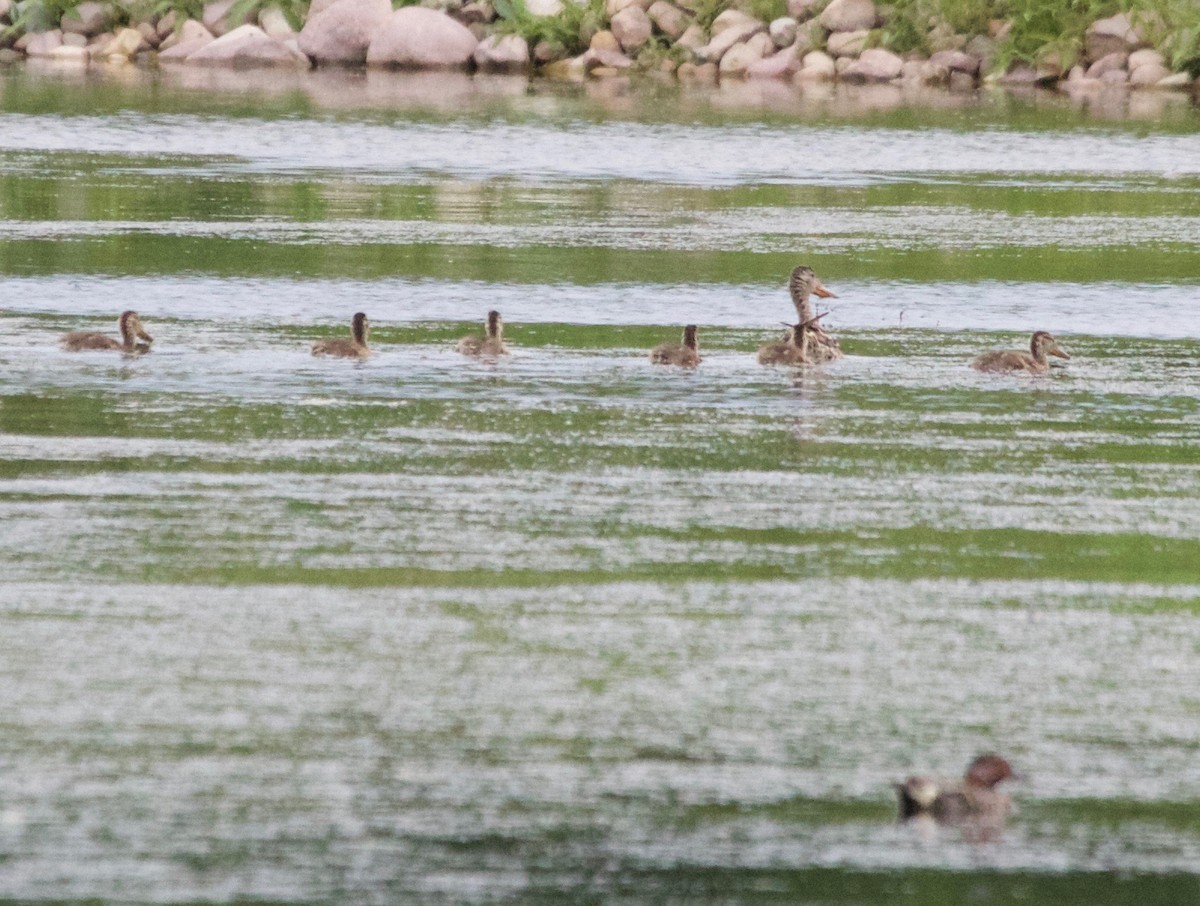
(874, 65)
(693, 72)
(1105, 36)
(736, 19)
(503, 52)
(849, 15)
(801, 10)
(1115, 77)
(342, 32)
(631, 27)
(74, 40)
(1145, 57)
(1148, 75)
(1107, 63)
(783, 31)
(276, 24)
(956, 61)
(125, 43)
(847, 43)
(214, 16)
(605, 40)
(70, 53)
(480, 11)
(545, 52)
(88, 18)
(1020, 74)
(737, 34)
(983, 49)
(962, 81)
(568, 70)
(40, 44)
(166, 26)
(612, 7)
(737, 59)
(782, 65)
(817, 67)
(692, 38)
(668, 19)
(1176, 81)
(609, 59)
(149, 34)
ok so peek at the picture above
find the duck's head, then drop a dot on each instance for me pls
(988, 770)
(130, 326)
(494, 324)
(359, 327)
(689, 336)
(1047, 344)
(804, 282)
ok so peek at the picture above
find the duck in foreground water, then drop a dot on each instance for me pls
(131, 330)
(355, 348)
(794, 349)
(802, 284)
(1013, 361)
(492, 343)
(974, 798)
(685, 354)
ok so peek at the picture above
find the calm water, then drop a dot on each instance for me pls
(569, 627)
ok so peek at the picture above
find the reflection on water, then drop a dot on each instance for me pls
(569, 626)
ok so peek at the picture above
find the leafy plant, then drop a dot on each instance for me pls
(569, 31)
(1041, 28)
(38, 15)
(1171, 25)
(708, 10)
(767, 10)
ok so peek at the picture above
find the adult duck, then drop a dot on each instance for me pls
(685, 354)
(130, 327)
(354, 348)
(1013, 361)
(491, 343)
(803, 284)
(974, 797)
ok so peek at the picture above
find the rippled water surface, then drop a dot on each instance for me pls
(569, 627)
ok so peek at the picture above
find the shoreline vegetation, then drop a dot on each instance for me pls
(1079, 46)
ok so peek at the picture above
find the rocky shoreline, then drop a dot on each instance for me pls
(815, 42)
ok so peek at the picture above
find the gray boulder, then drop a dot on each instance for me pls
(874, 65)
(1111, 35)
(413, 37)
(341, 33)
(245, 47)
(88, 18)
(668, 18)
(849, 15)
(631, 27)
(504, 53)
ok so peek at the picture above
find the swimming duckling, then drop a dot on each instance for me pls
(803, 283)
(131, 330)
(956, 801)
(793, 349)
(490, 344)
(355, 348)
(1014, 360)
(685, 354)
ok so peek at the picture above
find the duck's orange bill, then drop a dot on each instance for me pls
(821, 291)
(1058, 352)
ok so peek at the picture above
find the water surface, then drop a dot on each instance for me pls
(568, 626)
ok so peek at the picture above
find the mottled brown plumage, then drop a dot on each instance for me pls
(796, 346)
(956, 801)
(491, 344)
(802, 284)
(354, 348)
(1012, 361)
(685, 354)
(131, 330)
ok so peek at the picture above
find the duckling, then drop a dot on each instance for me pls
(1014, 360)
(355, 348)
(131, 330)
(793, 349)
(803, 283)
(489, 345)
(956, 801)
(685, 354)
